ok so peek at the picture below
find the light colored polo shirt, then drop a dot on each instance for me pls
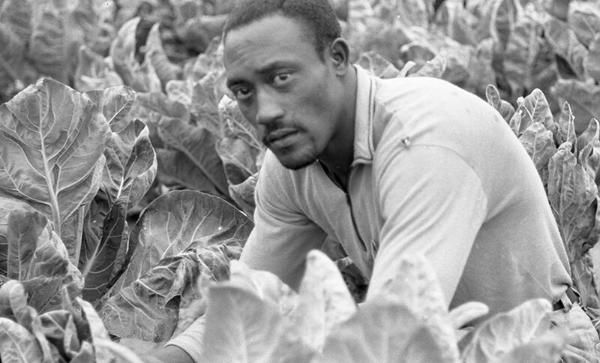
(435, 170)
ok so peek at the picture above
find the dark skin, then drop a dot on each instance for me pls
(301, 101)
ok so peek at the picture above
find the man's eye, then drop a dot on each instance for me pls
(242, 93)
(281, 78)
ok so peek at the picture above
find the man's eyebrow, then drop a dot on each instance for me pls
(269, 67)
(233, 81)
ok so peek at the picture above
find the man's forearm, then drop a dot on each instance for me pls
(169, 354)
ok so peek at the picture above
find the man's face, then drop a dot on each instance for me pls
(284, 87)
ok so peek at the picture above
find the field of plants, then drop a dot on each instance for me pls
(127, 176)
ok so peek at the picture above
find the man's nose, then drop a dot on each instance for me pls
(268, 109)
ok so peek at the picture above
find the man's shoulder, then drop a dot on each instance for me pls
(426, 91)
(426, 105)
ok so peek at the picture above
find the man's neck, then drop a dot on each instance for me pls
(339, 155)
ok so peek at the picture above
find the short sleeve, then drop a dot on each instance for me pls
(431, 202)
(190, 340)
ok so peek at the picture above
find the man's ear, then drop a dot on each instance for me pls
(339, 51)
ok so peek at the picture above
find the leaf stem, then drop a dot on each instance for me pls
(78, 235)
(51, 194)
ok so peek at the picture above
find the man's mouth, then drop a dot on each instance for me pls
(279, 137)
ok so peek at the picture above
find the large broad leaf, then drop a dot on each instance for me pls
(85, 19)
(155, 54)
(183, 236)
(198, 144)
(145, 309)
(24, 230)
(558, 8)
(383, 332)
(180, 91)
(38, 259)
(198, 32)
(243, 194)
(263, 284)
(214, 266)
(7, 205)
(323, 303)
(531, 109)
(503, 107)
(206, 94)
(17, 344)
(481, 71)
(520, 335)
(150, 307)
(13, 300)
(238, 147)
(176, 169)
(573, 194)
(104, 253)
(539, 143)
(130, 160)
(240, 326)
(182, 220)
(496, 19)
(142, 77)
(11, 57)
(58, 31)
(15, 30)
(104, 350)
(584, 99)
(159, 103)
(565, 44)
(591, 62)
(584, 20)
(457, 22)
(565, 126)
(60, 328)
(128, 174)
(16, 14)
(415, 286)
(52, 140)
(528, 61)
(96, 327)
(587, 282)
(410, 13)
(538, 108)
(155, 106)
(49, 43)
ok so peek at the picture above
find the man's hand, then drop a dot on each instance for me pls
(463, 315)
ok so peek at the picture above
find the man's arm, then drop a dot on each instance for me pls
(169, 354)
(283, 234)
(432, 202)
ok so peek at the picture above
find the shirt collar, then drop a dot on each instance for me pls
(363, 131)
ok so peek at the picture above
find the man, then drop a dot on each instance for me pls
(385, 167)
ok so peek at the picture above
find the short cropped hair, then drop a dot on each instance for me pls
(317, 15)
